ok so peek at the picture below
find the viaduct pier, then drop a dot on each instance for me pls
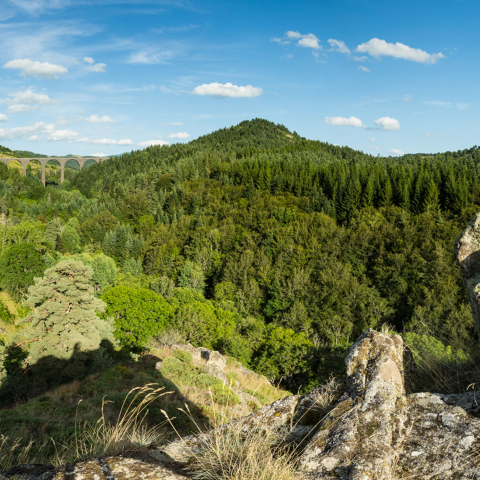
(44, 160)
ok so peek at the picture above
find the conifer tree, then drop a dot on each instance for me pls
(64, 328)
(52, 232)
(430, 200)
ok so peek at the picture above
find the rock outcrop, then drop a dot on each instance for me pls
(378, 430)
(467, 251)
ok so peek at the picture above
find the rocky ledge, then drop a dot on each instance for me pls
(378, 429)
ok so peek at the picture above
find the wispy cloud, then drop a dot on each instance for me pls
(338, 46)
(19, 132)
(378, 48)
(437, 103)
(396, 151)
(363, 68)
(97, 119)
(430, 135)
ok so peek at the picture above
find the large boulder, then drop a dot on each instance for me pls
(467, 251)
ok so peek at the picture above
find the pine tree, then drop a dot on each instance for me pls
(430, 200)
(52, 232)
(64, 328)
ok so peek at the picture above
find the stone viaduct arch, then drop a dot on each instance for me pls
(43, 162)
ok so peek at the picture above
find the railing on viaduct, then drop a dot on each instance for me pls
(43, 162)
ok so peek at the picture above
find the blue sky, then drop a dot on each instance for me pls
(108, 76)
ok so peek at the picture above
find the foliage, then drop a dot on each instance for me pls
(5, 315)
(64, 327)
(269, 230)
(284, 354)
(19, 265)
(139, 314)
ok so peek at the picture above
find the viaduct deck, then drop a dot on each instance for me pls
(44, 160)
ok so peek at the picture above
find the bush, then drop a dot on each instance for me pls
(5, 315)
(183, 356)
(139, 314)
(259, 396)
(188, 374)
(224, 395)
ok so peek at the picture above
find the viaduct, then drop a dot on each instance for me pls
(43, 162)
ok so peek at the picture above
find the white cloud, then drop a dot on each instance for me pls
(19, 132)
(97, 119)
(176, 123)
(3, 118)
(430, 135)
(463, 106)
(349, 122)
(99, 155)
(36, 69)
(126, 141)
(377, 48)
(104, 141)
(338, 46)
(149, 143)
(360, 59)
(89, 60)
(363, 68)
(407, 98)
(396, 151)
(371, 139)
(179, 135)
(62, 135)
(308, 41)
(21, 108)
(388, 124)
(98, 68)
(33, 138)
(28, 97)
(227, 90)
(83, 140)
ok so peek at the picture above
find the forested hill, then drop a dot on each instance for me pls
(276, 250)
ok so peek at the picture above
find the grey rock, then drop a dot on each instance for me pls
(215, 371)
(117, 468)
(196, 354)
(467, 251)
(214, 358)
(273, 417)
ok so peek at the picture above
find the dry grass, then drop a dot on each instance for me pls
(326, 396)
(230, 453)
(129, 432)
(18, 452)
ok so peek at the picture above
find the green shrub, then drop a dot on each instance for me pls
(187, 374)
(185, 357)
(224, 395)
(207, 381)
(259, 396)
(232, 378)
(5, 315)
